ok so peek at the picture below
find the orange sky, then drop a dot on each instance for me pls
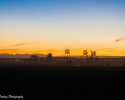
(47, 26)
(30, 48)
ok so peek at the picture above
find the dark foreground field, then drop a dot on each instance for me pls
(67, 83)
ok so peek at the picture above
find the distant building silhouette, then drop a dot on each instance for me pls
(34, 57)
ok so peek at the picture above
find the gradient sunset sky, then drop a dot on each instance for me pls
(47, 26)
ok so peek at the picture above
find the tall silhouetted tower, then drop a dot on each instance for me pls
(67, 53)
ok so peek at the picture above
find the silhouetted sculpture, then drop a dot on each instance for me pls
(49, 56)
(85, 52)
(93, 53)
(67, 53)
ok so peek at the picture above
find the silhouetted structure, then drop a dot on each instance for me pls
(49, 56)
(34, 57)
(85, 52)
(67, 53)
(93, 53)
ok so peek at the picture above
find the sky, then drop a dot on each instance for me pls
(51, 26)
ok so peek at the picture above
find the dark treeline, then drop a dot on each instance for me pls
(20, 55)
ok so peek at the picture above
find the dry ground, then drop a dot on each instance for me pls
(65, 62)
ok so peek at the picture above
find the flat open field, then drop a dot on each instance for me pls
(63, 79)
(111, 62)
(62, 82)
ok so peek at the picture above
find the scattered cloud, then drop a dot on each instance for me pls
(118, 40)
(22, 44)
